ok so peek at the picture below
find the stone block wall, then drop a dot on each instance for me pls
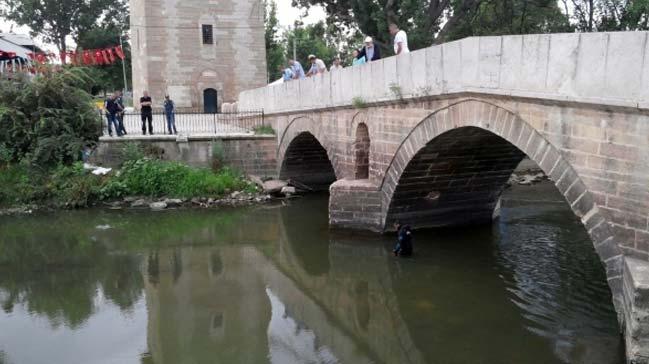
(355, 204)
(636, 310)
(595, 68)
(253, 155)
(169, 55)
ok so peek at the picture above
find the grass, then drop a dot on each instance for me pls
(74, 187)
(359, 103)
(264, 130)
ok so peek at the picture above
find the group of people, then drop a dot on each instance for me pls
(115, 110)
(368, 53)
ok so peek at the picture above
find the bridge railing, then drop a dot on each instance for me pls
(609, 68)
(190, 122)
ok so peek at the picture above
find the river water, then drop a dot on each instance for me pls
(272, 284)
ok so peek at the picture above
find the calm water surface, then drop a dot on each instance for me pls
(272, 284)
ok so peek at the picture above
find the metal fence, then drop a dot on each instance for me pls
(189, 122)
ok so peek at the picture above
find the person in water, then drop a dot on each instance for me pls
(404, 240)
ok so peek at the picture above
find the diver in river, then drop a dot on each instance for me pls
(404, 240)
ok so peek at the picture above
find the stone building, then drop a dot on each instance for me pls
(201, 52)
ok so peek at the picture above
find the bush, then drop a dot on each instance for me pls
(158, 178)
(49, 120)
(73, 187)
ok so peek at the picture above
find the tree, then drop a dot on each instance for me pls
(275, 51)
(312, 39)
(48, 121)
(106, 77)
(437, 21)
(57, 20)
(608, 15)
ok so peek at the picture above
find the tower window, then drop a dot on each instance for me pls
(208, 37)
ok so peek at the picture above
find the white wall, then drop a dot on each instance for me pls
(601, 68)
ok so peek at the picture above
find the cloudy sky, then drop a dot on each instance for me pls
(285, 12)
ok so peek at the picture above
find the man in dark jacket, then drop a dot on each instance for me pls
(112, 108)
(369, 51)
(404, 240)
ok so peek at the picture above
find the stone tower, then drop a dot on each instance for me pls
(201, 52)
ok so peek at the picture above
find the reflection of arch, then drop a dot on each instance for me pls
(306, 161)
(453, 166)
(297, 231)
(210, 100)
(362, 152)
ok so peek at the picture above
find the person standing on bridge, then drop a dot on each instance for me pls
(296, 67)
(146, 112)
(317, 66)
(170, 114)
(404, 240)
(400, 40)
(369, 51)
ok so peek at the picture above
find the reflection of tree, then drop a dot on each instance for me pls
(57, 274)
(123, 282)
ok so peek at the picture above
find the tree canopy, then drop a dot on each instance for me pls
(57, 20)
(430, 22)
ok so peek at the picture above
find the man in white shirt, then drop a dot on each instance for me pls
(317, 66)
(400, 40)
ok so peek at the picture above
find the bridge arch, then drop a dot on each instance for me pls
(305, 156)
(453, 167)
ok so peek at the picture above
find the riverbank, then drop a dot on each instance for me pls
(139, 183)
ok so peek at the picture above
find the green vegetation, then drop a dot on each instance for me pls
(49, 120)
(74, 187)
(358, 102)
(264, 130)
(157, 178)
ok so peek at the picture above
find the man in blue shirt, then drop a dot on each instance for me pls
(296, 67)
(287, 74)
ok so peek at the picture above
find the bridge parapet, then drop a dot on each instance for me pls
(598, 68)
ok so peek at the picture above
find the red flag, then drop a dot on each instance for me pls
(111, 55)
(12, 54)
(99, 59)
(63, 57)
(120, 52)
(104, 54)
(40, 57)
(87, 58)
(31, 56)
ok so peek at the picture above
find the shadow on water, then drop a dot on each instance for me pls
(274, 284)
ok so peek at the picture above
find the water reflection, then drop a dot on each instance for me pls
(273, 284)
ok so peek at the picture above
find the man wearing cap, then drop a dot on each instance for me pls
(369, 51)
(317, 66)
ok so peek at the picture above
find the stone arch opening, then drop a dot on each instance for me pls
(463, 155)
(307, 164)
(362, 152)
(456, 179)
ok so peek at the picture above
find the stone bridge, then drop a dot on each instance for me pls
(431, 138)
